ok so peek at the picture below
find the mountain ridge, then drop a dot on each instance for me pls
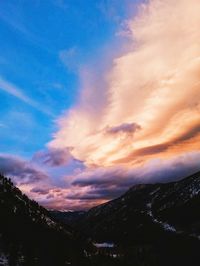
(28, 233)
(149, 225)
(161, 222)
(159, 197)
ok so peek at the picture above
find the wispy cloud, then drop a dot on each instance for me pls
(14, 20)
(15, 91)
(21, 171)
(113, 9)
(53, 157)
(70, 58)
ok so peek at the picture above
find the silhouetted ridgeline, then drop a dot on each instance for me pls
(153, 224)
(29, 236)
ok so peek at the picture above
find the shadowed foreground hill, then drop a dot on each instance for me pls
(153, 224)
(29, 236)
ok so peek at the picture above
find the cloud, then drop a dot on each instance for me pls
(53, 157)
(70, 58)
(91, 187)
(40, 191)
(137, 121)
(15, 91)
(113, 9)
(109, 183)
(185, 139)
(13, 18)
(155, 85)
(21, 171)
(128, 128)
(156, 170)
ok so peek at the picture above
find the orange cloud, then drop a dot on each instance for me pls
(154, 85)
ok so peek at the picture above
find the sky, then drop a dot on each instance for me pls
(98, 95)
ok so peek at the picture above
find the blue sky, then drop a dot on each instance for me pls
(43, 45)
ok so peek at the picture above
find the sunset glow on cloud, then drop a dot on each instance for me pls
(141, 123)
(151, 102)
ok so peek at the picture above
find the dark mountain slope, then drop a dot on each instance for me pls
(160, 221)
(178, 204)
(173, 207)
(67, 217)
(29, 236)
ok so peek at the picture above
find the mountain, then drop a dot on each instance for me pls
(151, 224)
(171, 206)
(29, 235)
(67, 217)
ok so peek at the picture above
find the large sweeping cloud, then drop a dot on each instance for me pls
(149, 106)
(138, 121)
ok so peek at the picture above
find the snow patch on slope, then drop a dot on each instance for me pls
(166, 226)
